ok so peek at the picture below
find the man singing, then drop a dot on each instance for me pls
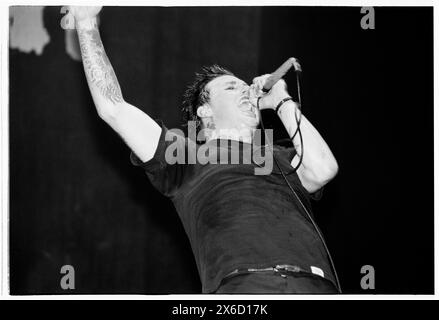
(250, 233)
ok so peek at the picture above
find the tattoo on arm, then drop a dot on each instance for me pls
(97, 67)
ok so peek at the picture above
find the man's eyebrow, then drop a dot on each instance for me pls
(233, 82)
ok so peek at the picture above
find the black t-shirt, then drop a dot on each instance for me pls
(235, 219)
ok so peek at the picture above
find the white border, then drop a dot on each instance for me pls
(436, 136)
(4, 151)
(207, 3)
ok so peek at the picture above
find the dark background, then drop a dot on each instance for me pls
(76, 199)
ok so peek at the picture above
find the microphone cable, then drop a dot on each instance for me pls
(298, 119)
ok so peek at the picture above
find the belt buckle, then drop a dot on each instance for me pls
(280, 270)
(287, 268)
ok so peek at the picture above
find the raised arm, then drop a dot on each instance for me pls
(137, 129)
(318, 165)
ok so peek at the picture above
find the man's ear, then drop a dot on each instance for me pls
(204, 111)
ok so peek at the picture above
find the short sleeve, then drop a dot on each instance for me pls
(165, 174)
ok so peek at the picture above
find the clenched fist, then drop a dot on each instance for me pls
(274, 96)
(83, 13)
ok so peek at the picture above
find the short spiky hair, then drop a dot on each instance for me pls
(196, 94)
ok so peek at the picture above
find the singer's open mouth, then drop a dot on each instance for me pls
(244, 99)
(249, 112)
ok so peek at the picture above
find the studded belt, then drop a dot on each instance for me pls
(282, 269)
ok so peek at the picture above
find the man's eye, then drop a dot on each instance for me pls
(230, 88)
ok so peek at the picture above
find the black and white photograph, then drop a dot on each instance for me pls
(227, 150)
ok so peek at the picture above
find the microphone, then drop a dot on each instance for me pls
(280, 73)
